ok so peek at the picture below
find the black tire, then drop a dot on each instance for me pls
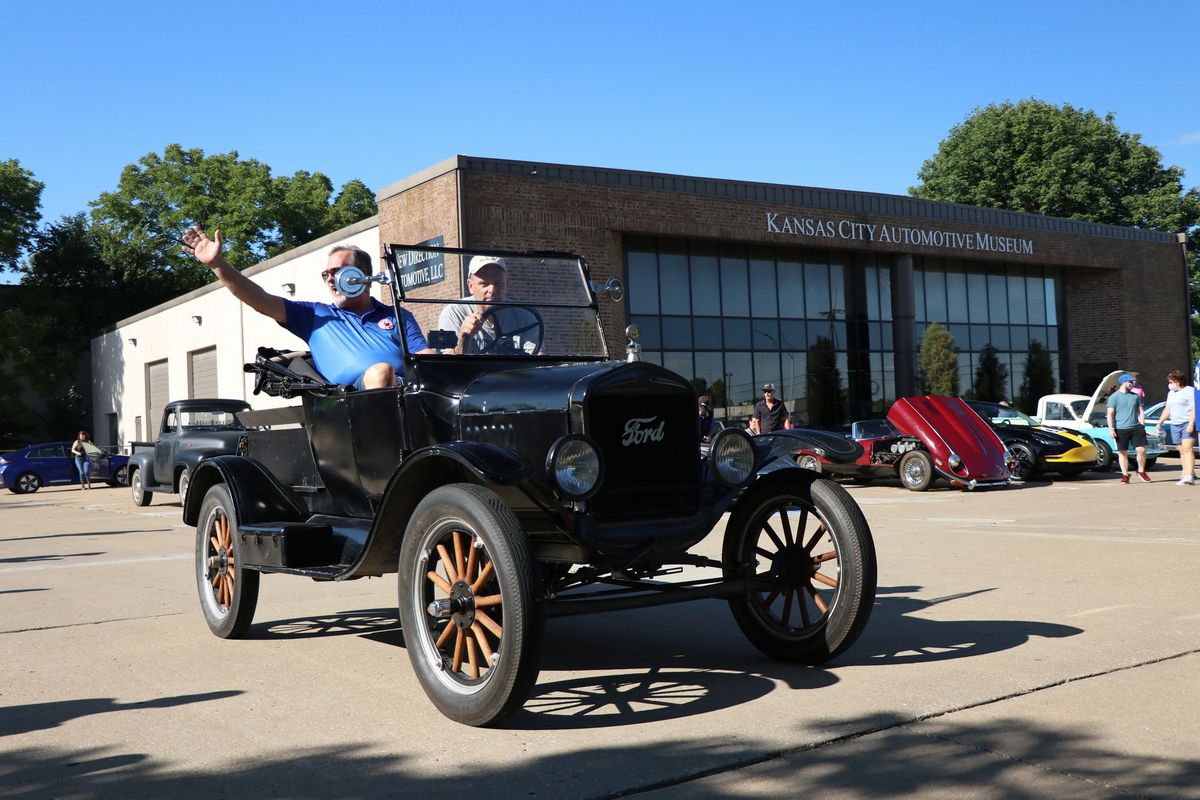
(806, 461)
(473, 543)
(799, 569)
(185, 478)
(1104, 456)
(1027, 461)
(26, 483)
(916, 471)
(228, 591)
(120, 477)
(140, 496)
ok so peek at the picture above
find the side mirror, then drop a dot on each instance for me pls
(350, 281)
(612, 288)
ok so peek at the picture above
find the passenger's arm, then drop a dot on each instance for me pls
(208, 252)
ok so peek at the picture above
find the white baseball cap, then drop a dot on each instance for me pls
(479, 262)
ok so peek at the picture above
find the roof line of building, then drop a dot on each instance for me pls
(851, 202)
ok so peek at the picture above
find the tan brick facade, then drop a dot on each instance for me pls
(1123, 297)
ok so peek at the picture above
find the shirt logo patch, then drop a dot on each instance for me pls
(387, 323)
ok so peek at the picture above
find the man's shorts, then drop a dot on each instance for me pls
(1176, 433)
(1127, 436)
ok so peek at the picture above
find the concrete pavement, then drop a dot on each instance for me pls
(1032, 642)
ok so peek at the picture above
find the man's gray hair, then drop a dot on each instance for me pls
(362, 259)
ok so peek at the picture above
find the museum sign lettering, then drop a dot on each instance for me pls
(851, 230)
(420, 268)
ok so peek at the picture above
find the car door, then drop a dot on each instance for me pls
(164, 448)
(53, 464)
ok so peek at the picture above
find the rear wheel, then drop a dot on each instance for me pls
(27, 483)
(1104, 456)
(228, 591)
(140, 496)
(185, 478)
(916, 471)
(807, 461)
(1027, 461)
(808, 555)
(470, 604)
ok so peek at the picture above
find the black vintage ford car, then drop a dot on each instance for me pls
(536, 477)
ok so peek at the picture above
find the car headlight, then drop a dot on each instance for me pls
(954, 461)
(733, 457)
(574, 466)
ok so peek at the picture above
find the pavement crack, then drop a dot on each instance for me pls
(95, 622)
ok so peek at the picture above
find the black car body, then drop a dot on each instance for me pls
(1037, 449)
(538, 478)
(190, 431)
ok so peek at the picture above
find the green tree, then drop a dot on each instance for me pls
(990, 376)
(1066, 162)
(938, 362)
(1039, 377)
(20, 211)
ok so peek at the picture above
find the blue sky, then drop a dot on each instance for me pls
(851, 95)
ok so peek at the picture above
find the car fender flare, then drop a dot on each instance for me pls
(143, 463)
(257, 495)
(423, 471)
(769, 483)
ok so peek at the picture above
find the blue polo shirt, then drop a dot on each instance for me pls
(344, 343)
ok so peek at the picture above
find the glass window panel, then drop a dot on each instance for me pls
(678, 362)
(763, 302)
(1051, 302)
(706, 284)
(1016, 376)
(708, 331)
(837, 288)
(643, 283)
(1052, 341)
(677, 333)
(737, 334)
(1038, 333)
(1035, 288)
(919, 295)
(962, 336)
(875, 334)
(977, 297)
(1000, 337)
(791, 289)
(766, 334)
(887, 336)
(791, 335)
(651, 338)
(673, 283)
(834, 332)
(1016, 300)
(885, 293)
(935, 296)
(979, 337)
(1018, 338)
(793, 385)
(735, 289)
(740, 375)
(816, 286)
(1054, 371)
(652, 357)
(964, 373)
(766, 370)
(997, 300)
(871, 282)
(956, 296)
(710, 368)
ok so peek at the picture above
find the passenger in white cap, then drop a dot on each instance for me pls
(475, 324)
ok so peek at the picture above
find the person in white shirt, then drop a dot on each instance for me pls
(1179, 415)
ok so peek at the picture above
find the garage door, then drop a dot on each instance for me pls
(157, 394)
(202, 373)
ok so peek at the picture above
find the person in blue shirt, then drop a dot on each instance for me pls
(353, 339)
(1126, 423)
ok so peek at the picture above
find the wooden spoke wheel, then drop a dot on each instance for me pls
(228, 591)
(470, 604)
(806, 551)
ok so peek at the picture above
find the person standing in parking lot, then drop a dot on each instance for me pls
(1126, 423)
(1179, 415)
(770, 413)
(80, 454)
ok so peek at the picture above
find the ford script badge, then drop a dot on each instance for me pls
(642, 429)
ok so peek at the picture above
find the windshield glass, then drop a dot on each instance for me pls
(209, 419)
(495, 304)
(1079, 407)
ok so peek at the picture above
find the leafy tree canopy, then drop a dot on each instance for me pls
(20, 210)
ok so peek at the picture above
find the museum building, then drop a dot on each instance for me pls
(824, 293)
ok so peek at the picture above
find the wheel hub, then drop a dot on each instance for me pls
(462, 605)
(793, 566)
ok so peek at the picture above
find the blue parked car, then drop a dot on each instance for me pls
(27, 470)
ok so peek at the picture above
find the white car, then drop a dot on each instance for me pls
(1090, 415)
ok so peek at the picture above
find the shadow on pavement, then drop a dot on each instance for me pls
(40, 716)
(894, 759)
(59, 557)
(86, 533)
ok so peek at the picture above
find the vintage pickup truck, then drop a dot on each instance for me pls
(191, 430)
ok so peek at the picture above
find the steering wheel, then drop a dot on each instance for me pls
(504, 338)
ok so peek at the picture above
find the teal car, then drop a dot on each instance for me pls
(1089, 415)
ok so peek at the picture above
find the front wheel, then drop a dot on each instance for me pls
(228, 590)
(26, 483)
(1104, 456)
(916, 471)
(470, 604)
(185, 478)
(809, 560)
(120, 477)
(1027, 461)
(808, 461)
(141, 497)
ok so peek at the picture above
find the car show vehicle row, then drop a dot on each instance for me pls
(28, 469)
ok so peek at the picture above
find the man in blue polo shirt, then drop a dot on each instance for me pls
(353, 339)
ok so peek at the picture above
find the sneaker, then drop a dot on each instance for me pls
(1145, 478)
(1186, 480)
(1124, 479)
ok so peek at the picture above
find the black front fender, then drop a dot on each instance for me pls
(257, 496)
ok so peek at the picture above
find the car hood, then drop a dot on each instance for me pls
(947, 425)
(1106, 387)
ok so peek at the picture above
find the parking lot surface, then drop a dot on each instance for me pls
(1041, 641)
